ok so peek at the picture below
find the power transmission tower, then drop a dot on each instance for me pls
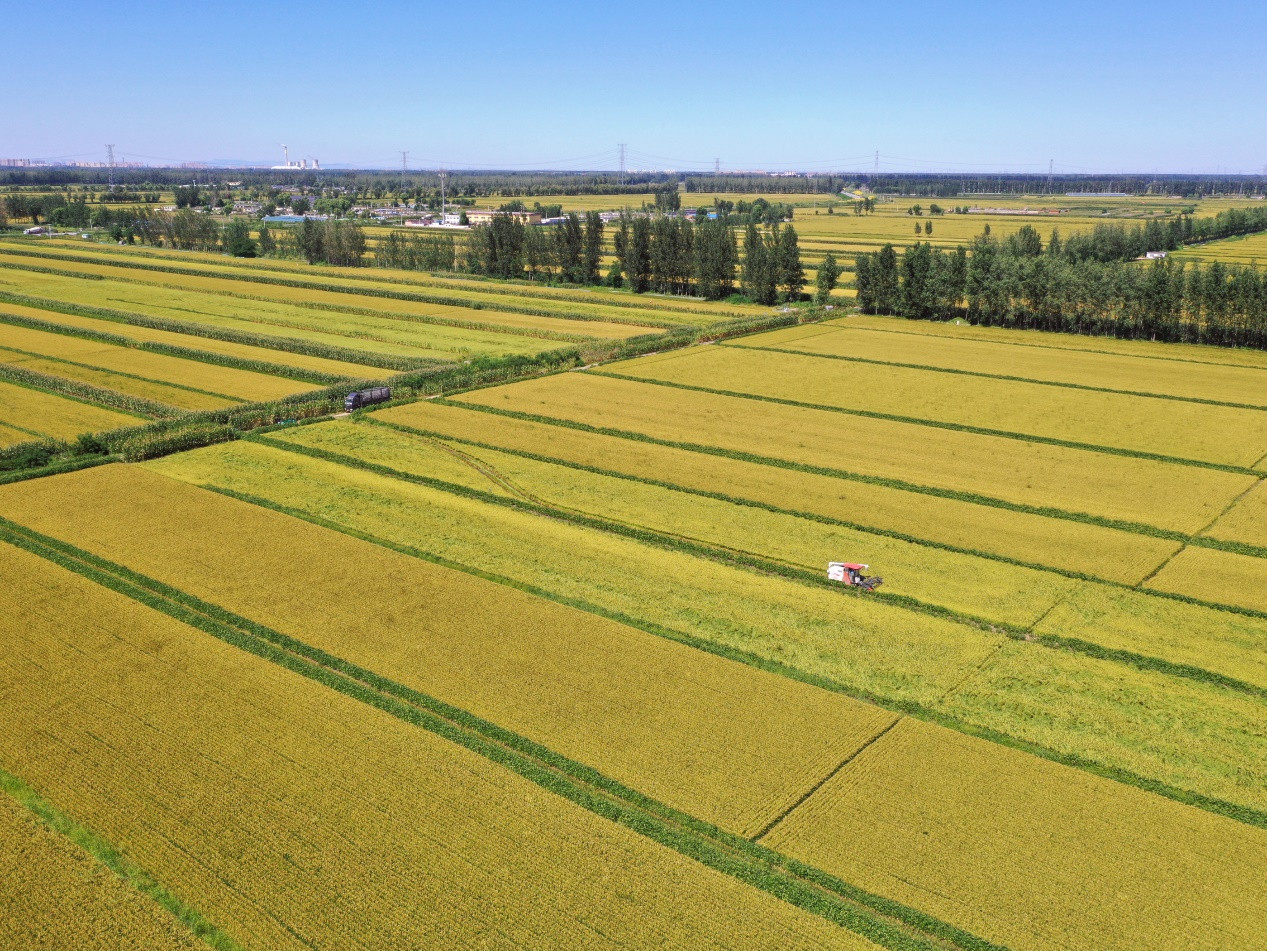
(877, 161)
(404, 163)
(622, 163)
(443, 177)
(716, 166)
(1051, 165)
(110, 163)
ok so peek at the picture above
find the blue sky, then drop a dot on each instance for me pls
(932, 85)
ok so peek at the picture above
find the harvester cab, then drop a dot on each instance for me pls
(848, 573)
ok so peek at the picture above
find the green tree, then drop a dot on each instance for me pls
(826, 278)
(237, 239)
(593, 247)
(790, 273)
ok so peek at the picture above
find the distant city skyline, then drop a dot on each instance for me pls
(804, 86)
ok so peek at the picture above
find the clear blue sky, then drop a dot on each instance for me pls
(1101, 86)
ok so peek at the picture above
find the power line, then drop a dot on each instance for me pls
(622, 163)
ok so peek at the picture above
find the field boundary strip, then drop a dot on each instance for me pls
(169, 350)
(226, 334)
(999, 376)
(1138, 528)
(887, 922)
(124, 868)
(937, 424)
(301, 284)
(1245, 814)
(700, 548)
(1053, 346)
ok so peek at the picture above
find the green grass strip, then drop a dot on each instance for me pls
(132, 874)
(1002, 376)
(937, 424)
(756, 865)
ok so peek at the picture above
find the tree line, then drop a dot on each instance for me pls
(1017, 282)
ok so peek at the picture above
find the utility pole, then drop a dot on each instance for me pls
(110, 163)
(622, 163)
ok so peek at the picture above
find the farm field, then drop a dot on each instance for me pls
(149, 752)
(43, 875)
(541, 651)
(797, 624)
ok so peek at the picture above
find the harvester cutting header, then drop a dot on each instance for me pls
(851, 574)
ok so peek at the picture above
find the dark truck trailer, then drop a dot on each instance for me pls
(359, 398)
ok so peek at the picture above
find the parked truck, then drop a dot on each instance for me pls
(359, 398)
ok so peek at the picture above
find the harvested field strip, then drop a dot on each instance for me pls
(62, 887)
(60, 417)
(220, 803)
(1102, 371)
(350, 294)
(179, 397)
(181, 350)
(1168, 430)
(244, 385)
(1185, 739)
(1019, 537)
(226, 309)
(564, 678)
(1180, 352)
(185, 329)
(1217, 576)
(1044, 479)
(1028, 853)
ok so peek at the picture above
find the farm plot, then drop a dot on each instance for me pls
(55, 896)
(963, 583)
(39, 414)
(128, 384)
(611, 696)
(1246, 521)
(1028, 853)
(233, 384)
(219, 308)
(241, 351)
(1221, 576)
(1057, 543)
(1163, 494)
(339, 294)
(1219, 434)
(1181, 731)
(1037, 357)
(201, 762)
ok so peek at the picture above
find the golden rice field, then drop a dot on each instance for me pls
(38, 414)
(849, 641)
(1118, 556)
(931, 815)
(56, 896)
(554, 663)
(558, 676)
(201, 763)
(1164, 494)
(1219, 434)
(1166, 372)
